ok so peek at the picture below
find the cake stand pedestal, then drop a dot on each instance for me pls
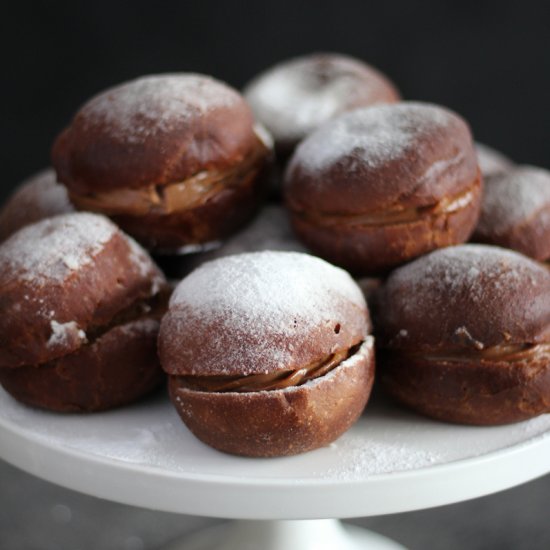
(321, 534)
(390, 461)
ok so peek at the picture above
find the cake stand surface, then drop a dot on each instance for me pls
(390, 461)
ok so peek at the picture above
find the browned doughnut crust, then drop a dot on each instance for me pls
(382, 158)
(515, 211)
(296, 96)
(219, 216)
(491, 161)
(269, 230)
(379, 186)
(38, 197)
(116, 369)
(264, 352)
(376, 248)
(468, 296)
(154, 130)
(184, 350)
(173, 159)
(464, 335)
(85, 296)
(280, 422)
(486, 392)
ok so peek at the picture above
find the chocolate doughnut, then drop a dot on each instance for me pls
(295, 97)
(491, 161)
(81, 304)
(174, 159)
(515, 211)
(270, 230)
(377, 187)
(38, 197)
(464, 335)
(268, 353)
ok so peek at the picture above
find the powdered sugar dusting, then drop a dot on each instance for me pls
(140, 258)
(269, 231)
(491, 161)
(460, 267)
(467, 270)
(44, 193)
(62, 333)
(295, 97)
(267, 286)
(53, 248)
(372, 136)
(139, 109)
(140, 326)
(360, 459)
(514, 197)
(38, 197)
(285, 295)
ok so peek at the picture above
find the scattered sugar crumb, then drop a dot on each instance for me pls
(62, 332)
(359, 459)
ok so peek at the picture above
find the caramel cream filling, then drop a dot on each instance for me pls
(173, 197)
(267, 382)
(396, 215)
(509, 353)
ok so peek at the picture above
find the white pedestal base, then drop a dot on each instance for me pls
(326, 534)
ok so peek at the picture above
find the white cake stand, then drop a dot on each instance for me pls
(391, 461)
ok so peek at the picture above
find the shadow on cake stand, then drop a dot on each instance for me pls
(391, 461)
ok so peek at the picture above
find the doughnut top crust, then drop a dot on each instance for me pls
(270, 230)
(152, 131)
(36, 198)
(468, 297)
(64, 276)
(261, 312)
(294, 97)
(519, 196)
(491, 161)
(408, 155)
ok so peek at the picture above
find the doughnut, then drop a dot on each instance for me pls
(464, 335)
(491, 161)
(515, 211)
(81, 306)
(38, 197)
(377, 187)
(270, 230)
(175, 159)
(296, 96)
(267, 353)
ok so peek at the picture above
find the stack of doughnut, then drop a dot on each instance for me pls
(268, 339)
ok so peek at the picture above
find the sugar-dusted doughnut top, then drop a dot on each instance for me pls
(260, 312)
(61, 277)
(270, 230)
(38, 197)
(294, 97)
(465, 297)
(408, 154)
(491, 161)
(154, 130)
(513, 198)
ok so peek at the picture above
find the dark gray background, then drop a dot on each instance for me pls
(490, 61)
